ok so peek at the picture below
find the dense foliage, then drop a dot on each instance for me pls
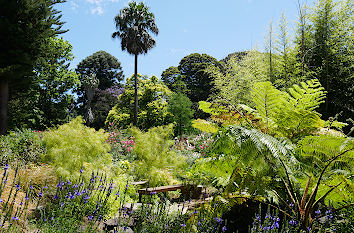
(47, 101)
(180, 108)
(74, 146)
(269, 143)
(152, 95)
(155, 161)
(98, 97)
(22, 43)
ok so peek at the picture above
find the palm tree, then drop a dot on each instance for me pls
(133, 25)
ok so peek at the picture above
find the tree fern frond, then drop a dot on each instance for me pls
(268, 100)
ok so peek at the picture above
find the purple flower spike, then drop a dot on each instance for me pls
(224, 229)
(6, 167)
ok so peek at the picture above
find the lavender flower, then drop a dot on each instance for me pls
(293, 222)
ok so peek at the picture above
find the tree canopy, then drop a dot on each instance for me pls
(25, 25)
(152, 96)
(106, 67)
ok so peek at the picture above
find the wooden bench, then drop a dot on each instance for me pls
(161, 189)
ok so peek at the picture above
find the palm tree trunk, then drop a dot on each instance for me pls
(136, 90)
(4, 98)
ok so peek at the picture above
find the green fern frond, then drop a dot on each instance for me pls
(307, 96)
(268, 101)
(290, 114)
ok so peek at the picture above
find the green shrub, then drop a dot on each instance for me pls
(24, 146)
(73, 145)
(156, 161)
(152, 112)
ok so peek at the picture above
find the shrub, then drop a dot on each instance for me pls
(73, 145)
(122, 144)
(156, 161)
(152, 96)
(25, 146)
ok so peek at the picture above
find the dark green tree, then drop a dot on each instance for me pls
(25, 25)
(102, 103)
(170, 75)
(107, 73)
(198, 81)
(331, 54)
(106, 67)
(235, 55)
(180, 106)
(46, 101)
(133, 25)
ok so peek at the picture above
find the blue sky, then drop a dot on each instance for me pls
(213, 27)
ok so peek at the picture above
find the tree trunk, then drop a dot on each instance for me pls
(4, 98)
(136, 91)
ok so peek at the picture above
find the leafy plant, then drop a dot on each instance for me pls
(155, 161)
(242, 159)
(330, 163)
(267, 164)
(22, 146)
(290, 114)
(72, 146)
(180, 107)
(152, 104)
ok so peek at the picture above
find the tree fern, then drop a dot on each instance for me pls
(291, 114)
(307, 96)
(315, 152)
(268, 101)
(253, 160)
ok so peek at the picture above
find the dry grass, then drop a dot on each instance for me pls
(34, 175)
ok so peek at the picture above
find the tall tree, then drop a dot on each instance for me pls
(331, 56)
(238, 76)
(47, 100)
(170, 75)
(180, 107)
(107, 73)
(133, 25)
(106, 68)
(24, 26)
(198, 81)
